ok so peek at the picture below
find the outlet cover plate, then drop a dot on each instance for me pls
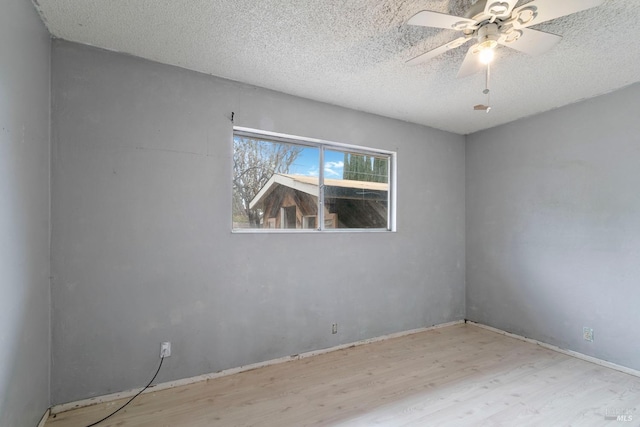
(587, 334)
(165, 349)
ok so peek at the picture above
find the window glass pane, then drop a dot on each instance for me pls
(275, 184)
(356, 190)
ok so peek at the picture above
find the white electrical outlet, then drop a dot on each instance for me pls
(334, 328)
(165, 349)
(587, 334)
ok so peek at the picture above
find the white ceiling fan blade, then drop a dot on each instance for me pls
(437, 51)
(471, 63)
(427, 18)
(532, 42)
(539, 11)
(499, 8)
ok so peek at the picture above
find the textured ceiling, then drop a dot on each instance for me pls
(352, 53)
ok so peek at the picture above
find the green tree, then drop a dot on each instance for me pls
(346, 171)
(360, 167)
(380, 170)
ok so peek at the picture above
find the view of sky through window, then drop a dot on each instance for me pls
(307, 163)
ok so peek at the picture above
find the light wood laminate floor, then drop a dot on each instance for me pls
(459, 375)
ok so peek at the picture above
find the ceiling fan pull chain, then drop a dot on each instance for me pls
(487, 77)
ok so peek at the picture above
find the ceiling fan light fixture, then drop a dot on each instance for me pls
(488, 37)
(488, 44)
(486, 50)
(486, 55)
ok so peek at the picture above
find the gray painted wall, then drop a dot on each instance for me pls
(24, 215)
(142, 250)
(553, 226)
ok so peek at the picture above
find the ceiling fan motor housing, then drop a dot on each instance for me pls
(493, 25)
(488, 36)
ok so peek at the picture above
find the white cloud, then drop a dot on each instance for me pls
(333, 169)
(330, 172)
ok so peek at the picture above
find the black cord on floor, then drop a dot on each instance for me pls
(130, 400)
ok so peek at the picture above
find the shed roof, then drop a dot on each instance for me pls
(309, 185)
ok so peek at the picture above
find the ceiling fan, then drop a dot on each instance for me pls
(498, 22)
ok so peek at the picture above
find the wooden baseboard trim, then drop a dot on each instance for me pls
(44, 418)
(56, 409)
(571, 353)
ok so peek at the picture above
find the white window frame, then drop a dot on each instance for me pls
(322, 144)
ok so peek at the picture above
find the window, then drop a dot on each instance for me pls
(282, 182)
